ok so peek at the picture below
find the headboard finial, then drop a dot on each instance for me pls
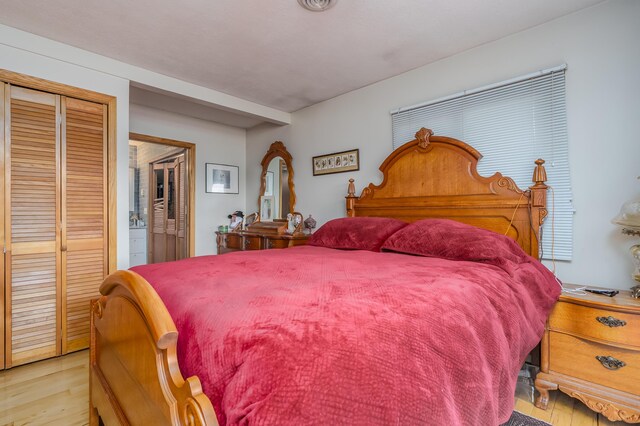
(539, 173)
(539, 194)
(351, 199)
(351, 189)
(423, 136)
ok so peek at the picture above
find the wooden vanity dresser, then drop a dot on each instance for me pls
(252, 240)
(591, 351)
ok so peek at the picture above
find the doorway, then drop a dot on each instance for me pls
(167, 221)
(161, 199)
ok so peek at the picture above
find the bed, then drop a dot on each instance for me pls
(322, 335)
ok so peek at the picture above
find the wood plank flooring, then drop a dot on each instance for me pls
(56, 392)
(50, 392)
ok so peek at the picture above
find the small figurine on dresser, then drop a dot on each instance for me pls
(291, 226)
(236, 219)
(294, 220)
(310, 224)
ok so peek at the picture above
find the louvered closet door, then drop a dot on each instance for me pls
(84, 209)
(31, 214)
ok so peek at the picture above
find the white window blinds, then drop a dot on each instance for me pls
(511, 124)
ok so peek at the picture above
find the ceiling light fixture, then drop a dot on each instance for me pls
(317, 5)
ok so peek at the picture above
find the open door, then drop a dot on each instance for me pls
(168, 219)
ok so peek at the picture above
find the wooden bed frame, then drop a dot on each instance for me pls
(134, 373)
(437, 177)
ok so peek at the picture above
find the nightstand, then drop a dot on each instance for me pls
(591, 351)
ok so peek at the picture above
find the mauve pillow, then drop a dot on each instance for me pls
(356, 233)
(453, 240)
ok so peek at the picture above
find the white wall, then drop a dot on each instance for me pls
(600, 46)
(36, 65)
(39, 57)
(215, 143)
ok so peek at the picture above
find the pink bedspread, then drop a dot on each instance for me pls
(311, 335)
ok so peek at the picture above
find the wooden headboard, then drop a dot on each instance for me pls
(437, 177)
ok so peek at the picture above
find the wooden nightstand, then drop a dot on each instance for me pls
(591, 351)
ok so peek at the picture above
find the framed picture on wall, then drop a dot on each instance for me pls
(338, 162)
(221, 178)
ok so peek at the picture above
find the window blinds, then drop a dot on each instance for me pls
(511, 123)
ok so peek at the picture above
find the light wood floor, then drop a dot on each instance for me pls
(56, 392)
(51, 392)
(563, 411)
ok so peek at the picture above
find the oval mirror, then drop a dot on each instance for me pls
(277, 192)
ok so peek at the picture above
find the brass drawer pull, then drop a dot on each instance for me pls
(610, 363)
(611, 321)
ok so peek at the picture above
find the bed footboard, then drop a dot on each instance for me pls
(134, 374)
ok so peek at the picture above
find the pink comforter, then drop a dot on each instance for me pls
(311, 335)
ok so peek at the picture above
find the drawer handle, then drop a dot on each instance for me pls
(610, 363)
(611, 321)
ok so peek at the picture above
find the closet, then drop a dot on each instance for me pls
(53, 217)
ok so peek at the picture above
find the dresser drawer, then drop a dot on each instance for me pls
(584, 321)
(234, 242)
(136, 259)
(275, 244)
(577, 358)
(137, 232)
(252, 243)
(137, 245)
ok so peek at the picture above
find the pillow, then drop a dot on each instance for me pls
(453, 240)
(356, 233)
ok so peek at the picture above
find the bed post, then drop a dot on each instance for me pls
(351, 199)
(538, 198)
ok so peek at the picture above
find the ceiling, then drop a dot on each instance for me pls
(274, 52)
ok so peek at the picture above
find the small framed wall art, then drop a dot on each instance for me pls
(221, 178)
(338, 162)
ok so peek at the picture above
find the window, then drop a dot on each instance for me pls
(511, 124)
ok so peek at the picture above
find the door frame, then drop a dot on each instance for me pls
(190, 161)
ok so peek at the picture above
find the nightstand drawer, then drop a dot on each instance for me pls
(577, 358)
(584, 321)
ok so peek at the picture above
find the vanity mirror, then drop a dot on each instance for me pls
(277, 191)
(276, 224)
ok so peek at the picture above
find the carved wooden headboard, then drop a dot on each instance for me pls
(437, 177)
